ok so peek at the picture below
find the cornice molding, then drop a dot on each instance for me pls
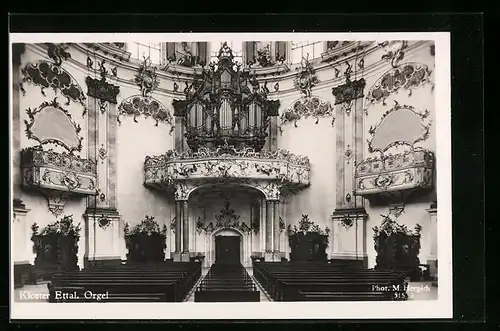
(133, 66)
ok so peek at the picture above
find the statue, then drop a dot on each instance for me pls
(186, 58)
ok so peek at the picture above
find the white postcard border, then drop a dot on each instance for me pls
(440, 308)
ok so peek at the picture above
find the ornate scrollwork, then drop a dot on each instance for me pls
(49, 75)
(226, 103)
(54, 173)
(306, 77)
(349, 91)
(32, 114)
(347, 222)
(225, 219)
(305, 108)
(269, 172)
(100, 89)
(409, 170)
(58, 52)
(408, 76)
(35, 156)
(104, 222)
(146, 78)
(138, 105)
(394, 51)
(415, 128)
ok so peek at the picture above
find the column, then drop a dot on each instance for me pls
(348, 229)
(270, 214)
(23, 256)
(104, 234)
(17, 51)
(432, 260)
(178, 226)
(185, 232)
(22, 253)
(276, 234)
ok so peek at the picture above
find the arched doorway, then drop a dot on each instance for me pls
(228, 246)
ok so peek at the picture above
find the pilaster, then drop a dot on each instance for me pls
(17, 51)
(433, 249)
(276, 232)
(349, 231)
(21, 244)
(349, 217)
(104, 238)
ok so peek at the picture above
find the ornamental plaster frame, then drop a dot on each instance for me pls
(425, 126)
(54, 104)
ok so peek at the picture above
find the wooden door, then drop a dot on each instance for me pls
(227, 249)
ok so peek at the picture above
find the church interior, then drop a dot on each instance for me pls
(224, 170)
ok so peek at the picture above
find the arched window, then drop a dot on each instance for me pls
(301, 49)
(145, 49)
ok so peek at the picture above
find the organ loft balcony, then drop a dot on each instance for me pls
(225, 119)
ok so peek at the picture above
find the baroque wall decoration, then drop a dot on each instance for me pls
(407, 76)
(49, 75)
(138, 105)
(306, 77)
(404, 172)
(100, 89)
(146, 78)
(348, 154)
(305, 108)
(103, 154)
(57, 176)
(58, 52)
(401, 125)
(394, 51)
(269, 172)
(225, 219)
(50, 123)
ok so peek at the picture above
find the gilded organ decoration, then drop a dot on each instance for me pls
(224, 103)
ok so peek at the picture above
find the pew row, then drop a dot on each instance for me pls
(162, 282)
(306, 281)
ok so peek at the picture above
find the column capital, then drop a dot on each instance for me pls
(102, 90)
(349, 91)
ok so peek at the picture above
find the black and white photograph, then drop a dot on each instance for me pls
(305, 171)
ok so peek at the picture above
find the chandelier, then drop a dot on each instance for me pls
(226, 105)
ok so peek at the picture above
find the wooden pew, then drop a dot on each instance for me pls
(169, 282)
(311, 281)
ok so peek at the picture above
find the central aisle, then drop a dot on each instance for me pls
(263, 295)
